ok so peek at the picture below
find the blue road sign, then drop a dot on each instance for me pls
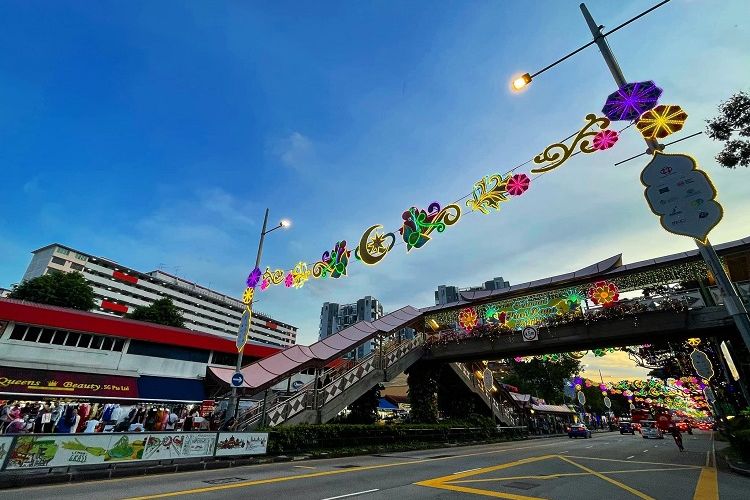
(237, 379)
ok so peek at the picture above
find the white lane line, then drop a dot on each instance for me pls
(303, 467)
(631, 456)
(644, 451)
(590, 446)
(564, 451)
(467, 470)
(351, 494)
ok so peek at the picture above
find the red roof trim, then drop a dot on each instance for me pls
(71, 319)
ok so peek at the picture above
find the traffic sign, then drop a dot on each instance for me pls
(681, 195)
(607, 402)
(237, 379)
(530, 334)
(243, 330)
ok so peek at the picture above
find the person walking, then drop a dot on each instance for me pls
(677, 437)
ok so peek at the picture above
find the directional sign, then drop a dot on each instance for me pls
(701, 364)
(607, 402)
(489, 380)
(237, 379)
(243, 330)
(530, 334)
(297, 384)
(581, 398)
(681, 195)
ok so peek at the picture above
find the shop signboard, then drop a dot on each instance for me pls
(241, 443)
(64, 450)
(66, 384)
(179, 445)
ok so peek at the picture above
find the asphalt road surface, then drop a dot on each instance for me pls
(607, 466)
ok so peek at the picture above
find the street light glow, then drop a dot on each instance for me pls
(521, 81)
(285, 223)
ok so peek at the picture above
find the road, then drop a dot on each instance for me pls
(607, 466)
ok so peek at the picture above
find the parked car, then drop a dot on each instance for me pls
(627, 428)
(650, 430)
(578, 430)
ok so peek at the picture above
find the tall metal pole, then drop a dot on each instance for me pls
(732, 301)
(234, 400)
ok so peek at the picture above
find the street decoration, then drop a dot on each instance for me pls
(518, 184)
(333, 264)
(247, 297)
(244, 329)
(468, 318)
(253, 278)
(694, 342)
(300, 274)
(631, 101)
(273, 277)
(661, 121)
(419, 224)
(702, 364)
(374, 245)
(605, 139)
(558, 153)
(289, 280)
(604, 293)
(488, 193)
(264, 284)
(681, 195)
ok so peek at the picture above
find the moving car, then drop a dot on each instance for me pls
(578, 430)
(650, 430)
(627, 428)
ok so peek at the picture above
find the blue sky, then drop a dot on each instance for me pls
(157, 132)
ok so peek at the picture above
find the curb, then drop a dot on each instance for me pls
(736, 468)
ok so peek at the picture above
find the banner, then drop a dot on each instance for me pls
(23, 381)
(5, 444)
(241, 443)
(65, 450)
(179, 445)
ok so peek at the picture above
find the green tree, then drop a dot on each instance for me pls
(734, 118)
(423, 388)
(162, 312)
(57, 289)
(543, 379)
(365, 409)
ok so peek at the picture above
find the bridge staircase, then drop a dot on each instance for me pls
(499, 401)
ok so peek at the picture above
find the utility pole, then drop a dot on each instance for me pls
(732, 301)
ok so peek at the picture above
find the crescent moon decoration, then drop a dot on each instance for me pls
(582, 141)
(374, 245)
(419, 224)
(333, 264)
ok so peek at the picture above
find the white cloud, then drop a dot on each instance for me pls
(296, 150)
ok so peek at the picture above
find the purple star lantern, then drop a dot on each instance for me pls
(631, 101)
(253, 278)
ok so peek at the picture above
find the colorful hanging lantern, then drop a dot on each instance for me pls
(518, 184)
(604, 293)
(631, 101)
(661, 121)
(605, 139)
(468, 318)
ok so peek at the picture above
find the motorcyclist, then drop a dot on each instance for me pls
(677, 437)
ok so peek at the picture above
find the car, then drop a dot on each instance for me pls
(578, 430)
(627, 428)
(650, 430)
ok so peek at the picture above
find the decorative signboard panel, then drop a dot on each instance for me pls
(241, 443)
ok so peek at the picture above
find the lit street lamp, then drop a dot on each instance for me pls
(732, 301)
(234, 400)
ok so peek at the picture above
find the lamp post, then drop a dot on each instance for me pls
(732, 301)
(234, 399)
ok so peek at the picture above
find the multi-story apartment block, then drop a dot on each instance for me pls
(335, 317)
(119, 290)
(447, 294)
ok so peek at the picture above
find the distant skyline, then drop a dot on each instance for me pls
(157, 133)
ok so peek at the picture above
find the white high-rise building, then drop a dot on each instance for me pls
(119, 290)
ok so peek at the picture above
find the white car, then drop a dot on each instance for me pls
(650, 430)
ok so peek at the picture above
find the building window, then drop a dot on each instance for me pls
(84, 340)
(224, 358)
(77, 267)
(58, 261)
(72, 339)
(167, 351)
(18, 332)
(59, 338)
(81, 257)
(46, 336)
(32, 334)
(62, 251)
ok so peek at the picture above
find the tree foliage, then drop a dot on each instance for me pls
(161, 312)
(734, 119)
(423, 388)
(57, 289)
(543, 379)
(365, 409)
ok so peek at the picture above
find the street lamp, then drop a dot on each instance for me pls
(520, 82)
(234, 400)
(732, 302)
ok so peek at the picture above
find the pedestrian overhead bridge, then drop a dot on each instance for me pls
(503, 313)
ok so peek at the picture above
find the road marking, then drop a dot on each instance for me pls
(631, 456)
(351, 494)
(194, 491)
(610, 480)
(303, 467)
(589, 447)
(564, 474)
(637, 462)
(467, 470)
(644, 451)
(708, 484)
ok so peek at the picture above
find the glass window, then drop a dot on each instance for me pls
(46, 336)
(58, 261)
(107, 344)
(33, 334)
(118, 345)
(77, 267)
(62, 251)
(18, 331)
(96, 342)
(85, 340)
(72, 339)
(81, 257)
(59, 338)
(167, 351)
